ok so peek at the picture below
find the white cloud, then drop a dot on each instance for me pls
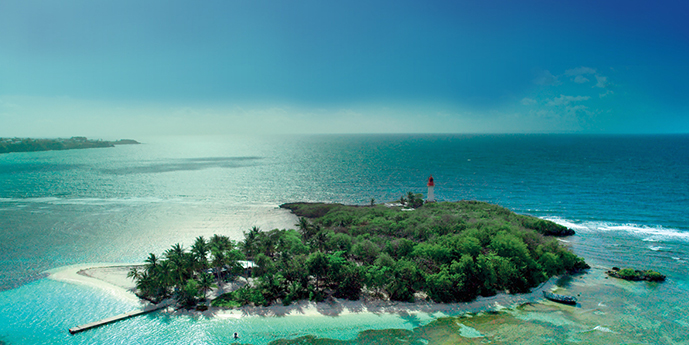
(528, 101)
(580, 71)
(565, 100)
(601, 81)
(578, 108)
(606, 93)
(579, 74)
(580, 79)
(546, 78)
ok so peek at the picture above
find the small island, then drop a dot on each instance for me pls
(442, 251)
(635, 275)
(8, 145)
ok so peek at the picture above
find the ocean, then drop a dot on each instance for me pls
(627, 196)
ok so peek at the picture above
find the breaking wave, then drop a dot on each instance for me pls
(648, 233)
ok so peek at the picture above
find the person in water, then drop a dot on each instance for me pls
(236, 336)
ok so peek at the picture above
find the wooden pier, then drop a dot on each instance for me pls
(146, 310)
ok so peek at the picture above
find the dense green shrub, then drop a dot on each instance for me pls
(654, 276)
(636, 275)
(628, 273)
(451, 251)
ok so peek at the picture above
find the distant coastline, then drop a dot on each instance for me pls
(8, 145)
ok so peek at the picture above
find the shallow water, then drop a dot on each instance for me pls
(626, 196)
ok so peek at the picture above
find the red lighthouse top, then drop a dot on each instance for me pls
(430, 181)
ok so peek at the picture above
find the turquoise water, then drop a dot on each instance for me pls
(41, 313)
(626, 196)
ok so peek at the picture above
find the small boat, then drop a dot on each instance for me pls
(564, 299)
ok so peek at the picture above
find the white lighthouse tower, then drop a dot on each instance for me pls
(431, 184)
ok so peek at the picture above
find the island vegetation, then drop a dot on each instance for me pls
(444, 251)
(635, 275)
(8, 145)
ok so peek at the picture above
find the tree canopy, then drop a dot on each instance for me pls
(445, 251)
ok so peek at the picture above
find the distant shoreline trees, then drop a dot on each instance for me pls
(8, 145)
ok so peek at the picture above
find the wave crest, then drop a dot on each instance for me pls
(648, 233)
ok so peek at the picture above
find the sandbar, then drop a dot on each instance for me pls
(108, 277)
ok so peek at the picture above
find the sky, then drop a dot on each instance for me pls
(124, 68)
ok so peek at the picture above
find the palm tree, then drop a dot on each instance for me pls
(317, 265)
(200, 254)
(268, 241)
(307, 230)
(145, 286)
(146, 279)
(175, 252)
(232, 258)
(164, 277)
(205, 283)
(319, 240)
(303, 226)
(219, 245)
(187, 293)
(218, 263)
(220, 242)
(250, 242)
(179, 263)
(134, 273)
(151, 263)
(411, 198)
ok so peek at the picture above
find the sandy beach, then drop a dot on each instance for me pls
(112, 278)
(108, 277)
(610, 311)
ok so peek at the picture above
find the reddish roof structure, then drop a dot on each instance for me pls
(430, 181)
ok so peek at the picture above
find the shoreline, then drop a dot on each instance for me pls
(602, 315)
(17, 145)
(112, 279)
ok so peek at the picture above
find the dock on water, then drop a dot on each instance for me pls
(146, 310)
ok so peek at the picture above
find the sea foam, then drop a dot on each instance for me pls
(649, 233)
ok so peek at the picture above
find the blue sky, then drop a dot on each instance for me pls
(132, 68)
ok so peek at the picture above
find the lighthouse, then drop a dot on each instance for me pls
(430, 197)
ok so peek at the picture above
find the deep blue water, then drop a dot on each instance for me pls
(627, 196)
